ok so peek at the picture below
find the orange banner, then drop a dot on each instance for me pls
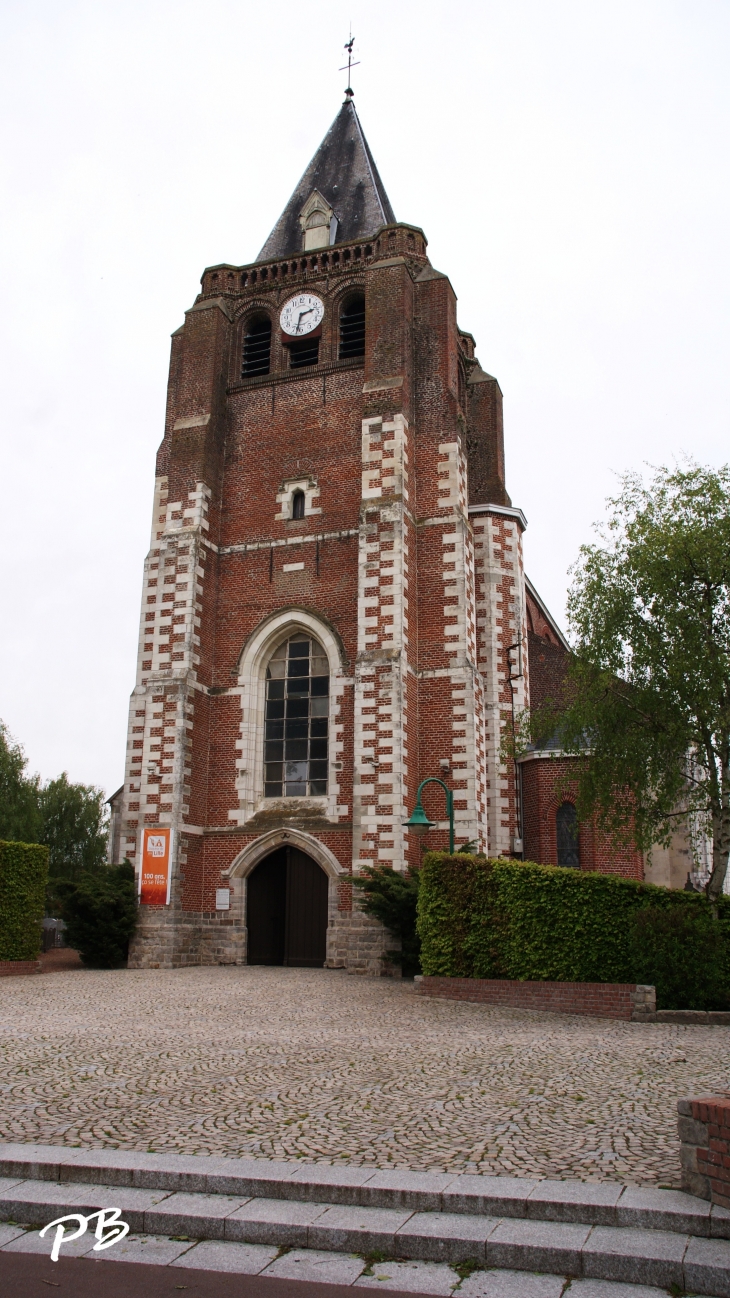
(154, 880)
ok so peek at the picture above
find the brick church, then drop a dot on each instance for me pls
(334, 602)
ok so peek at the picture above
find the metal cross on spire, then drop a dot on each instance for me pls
(351, 63)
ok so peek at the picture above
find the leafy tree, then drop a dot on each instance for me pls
(70, 819)
(74, 825)
(649, 693)
(392, 898)
(19, 814)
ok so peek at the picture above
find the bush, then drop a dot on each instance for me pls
(479, 918)
(392, 898)
(100, 912)
(23, 875)
(683, 953)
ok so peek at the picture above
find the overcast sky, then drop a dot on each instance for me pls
(567, 159)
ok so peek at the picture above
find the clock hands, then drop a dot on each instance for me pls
(294, 314)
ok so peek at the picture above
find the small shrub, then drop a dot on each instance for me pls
(23, 875)
(681, 951)
(101, 915)
(392, 898)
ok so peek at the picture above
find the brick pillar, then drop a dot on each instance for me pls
(703, 1126)
(178, 596)
(500, 616)
(381, 673)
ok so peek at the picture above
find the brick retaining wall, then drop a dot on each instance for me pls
(703, 1125)
(10, 967)
(606, 1000)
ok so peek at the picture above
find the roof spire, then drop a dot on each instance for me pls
(349, 93)
(344, 178)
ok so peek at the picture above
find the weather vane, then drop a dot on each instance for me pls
(350, 64)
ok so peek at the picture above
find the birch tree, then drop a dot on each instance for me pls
(649, 683)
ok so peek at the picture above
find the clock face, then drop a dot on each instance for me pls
(301, 314)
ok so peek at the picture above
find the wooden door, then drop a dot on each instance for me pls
(287, 911)
(266, 910)
(306, 911)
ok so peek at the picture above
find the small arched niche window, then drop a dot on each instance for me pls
(352, 326)
(566, 824)
(257, 346)
(317, 230)
(297, 710)
(297, 505)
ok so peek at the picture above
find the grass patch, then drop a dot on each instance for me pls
(467, 1268)
(373, 1259)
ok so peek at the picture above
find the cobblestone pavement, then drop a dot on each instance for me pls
(320, 1065)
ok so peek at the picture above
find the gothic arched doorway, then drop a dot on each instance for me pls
(287, 910)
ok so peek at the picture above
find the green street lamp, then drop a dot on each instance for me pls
(419, 821)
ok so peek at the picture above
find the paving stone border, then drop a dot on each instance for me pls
(695, 1018)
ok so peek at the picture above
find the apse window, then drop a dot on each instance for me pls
(257, 347)
(297, 710)
(566, 824)
(352, 326)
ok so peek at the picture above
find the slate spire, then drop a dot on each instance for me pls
(343, 171)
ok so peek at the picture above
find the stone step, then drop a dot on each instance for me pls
(390, 1277)
(604, 1203)
(617, 1253)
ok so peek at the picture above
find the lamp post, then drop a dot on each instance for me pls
(419, 821)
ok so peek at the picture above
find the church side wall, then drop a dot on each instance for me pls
(546, 783)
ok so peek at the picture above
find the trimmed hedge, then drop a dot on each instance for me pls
(23, 878)
(683, 951)
(480, 918)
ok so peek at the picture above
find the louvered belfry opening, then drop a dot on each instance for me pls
(352, 326)
(566, 825)
(257, 347)
(304, 353)
(297, 711)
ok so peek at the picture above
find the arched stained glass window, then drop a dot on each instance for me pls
(297, 710)
(566, 824)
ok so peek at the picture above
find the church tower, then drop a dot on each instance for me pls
(334, 604)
